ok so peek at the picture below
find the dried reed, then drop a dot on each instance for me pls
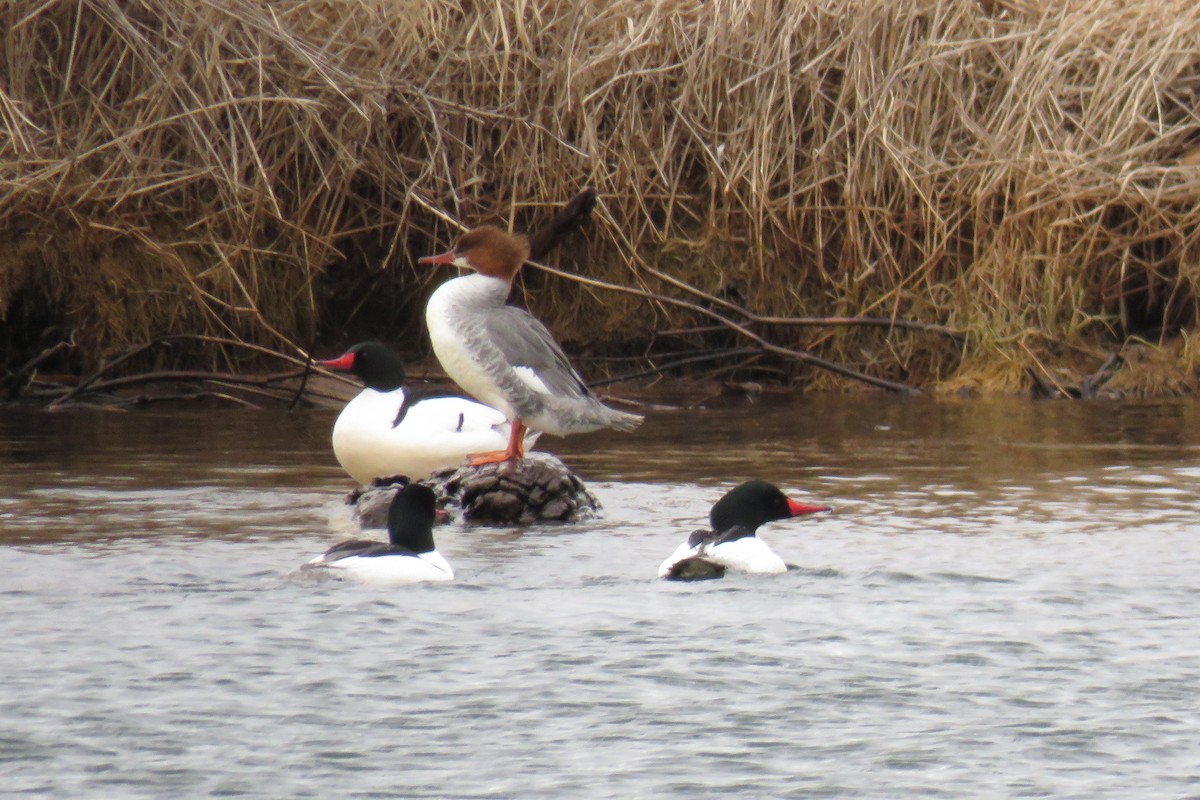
(1024, 172)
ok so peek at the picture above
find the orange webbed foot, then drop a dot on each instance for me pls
(494, 457)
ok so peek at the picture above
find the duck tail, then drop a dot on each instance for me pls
(622, 421)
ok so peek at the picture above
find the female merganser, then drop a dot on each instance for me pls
(732, 543)
(501, 354)
(381, 432)
(409, 556)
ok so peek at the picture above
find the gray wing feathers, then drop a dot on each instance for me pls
(525, 342)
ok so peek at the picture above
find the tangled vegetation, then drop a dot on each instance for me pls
(948, 193)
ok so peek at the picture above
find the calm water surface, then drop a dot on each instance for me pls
(1003, 604)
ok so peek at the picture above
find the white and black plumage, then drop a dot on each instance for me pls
(386, 431)
(732, 542)
(409, 555)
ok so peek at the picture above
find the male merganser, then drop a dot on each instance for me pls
(502, 355)
(382, 432)
(732, 543)
(409, 557)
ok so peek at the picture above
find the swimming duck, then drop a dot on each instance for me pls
(502, 355)
(732, 543)
(408, 557)
(382, 432)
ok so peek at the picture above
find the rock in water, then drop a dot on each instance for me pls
(371, 503)
(538, 488)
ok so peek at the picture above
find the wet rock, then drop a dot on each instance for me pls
(539, 488)
(501, 505)
(556, 509)
(370, 504)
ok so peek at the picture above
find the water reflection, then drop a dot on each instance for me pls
(999, 605)
(914, 458)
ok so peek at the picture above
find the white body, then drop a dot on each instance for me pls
(437, 433)
(389, 570)
(468, 368)
(747, 554)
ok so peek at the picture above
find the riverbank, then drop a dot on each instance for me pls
(955, 197)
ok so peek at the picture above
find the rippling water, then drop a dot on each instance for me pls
(1002, 604)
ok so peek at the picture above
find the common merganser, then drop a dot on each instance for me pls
(408, 557)
(732, 542)
(382, 432)
(502, 355)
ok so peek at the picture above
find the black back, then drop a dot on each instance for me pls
(714, 538)
(356, 547)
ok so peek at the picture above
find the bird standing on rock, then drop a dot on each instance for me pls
(502, 355)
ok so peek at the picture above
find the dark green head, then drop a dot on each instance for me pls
(375, 364)
(753, 504)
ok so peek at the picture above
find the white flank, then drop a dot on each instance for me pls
(435, 434)
(392, 570)
(747, 554)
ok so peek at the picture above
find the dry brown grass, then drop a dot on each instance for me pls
(1025, 172)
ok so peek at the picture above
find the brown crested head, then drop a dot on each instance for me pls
(492, 252)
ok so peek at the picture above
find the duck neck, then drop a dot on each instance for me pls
(411, 517)
(473, 292)
(415, 535)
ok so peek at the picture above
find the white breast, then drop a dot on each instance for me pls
(454, 300)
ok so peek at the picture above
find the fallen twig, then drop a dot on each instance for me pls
(98, 382)
(192, 396)
(878, 322)
(14, 379)
(1045, 386)
(661, 368)
(1092, 383)
(308, 367)
(799, 355)
(126, 381)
